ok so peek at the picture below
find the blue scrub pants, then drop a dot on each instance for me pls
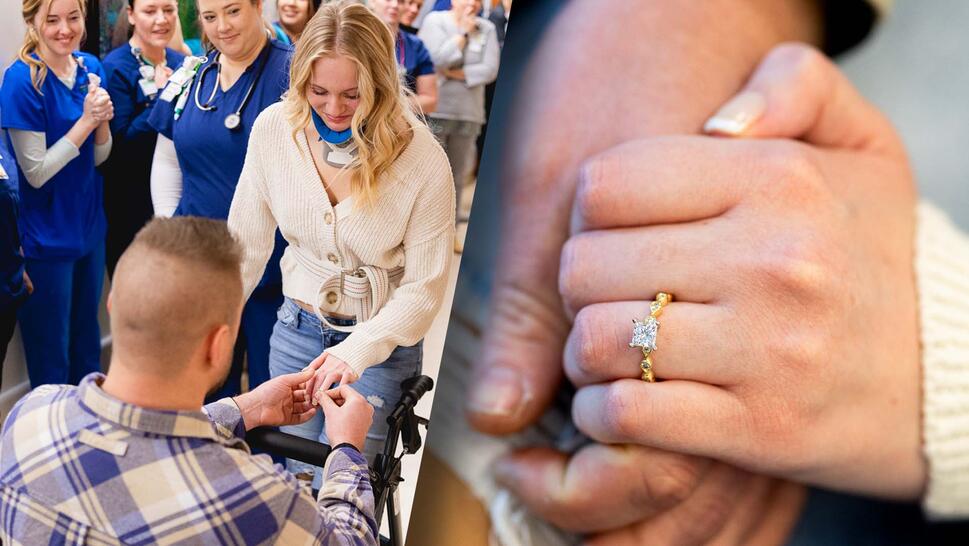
(299, 337)
(252, 345)
(59, 321)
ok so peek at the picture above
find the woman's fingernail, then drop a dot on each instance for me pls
(735, 117)
(500, 392)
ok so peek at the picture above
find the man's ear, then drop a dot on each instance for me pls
(108, 303)
(218, 345)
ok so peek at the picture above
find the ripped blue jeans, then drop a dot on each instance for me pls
(299, 337)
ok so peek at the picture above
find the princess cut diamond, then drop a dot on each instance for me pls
(644, 333)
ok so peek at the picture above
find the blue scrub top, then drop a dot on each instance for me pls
(11, 262)
(134, 139)
(64, 218)
(414, 57)
(281, 34)
(210, 155)
(130, 127)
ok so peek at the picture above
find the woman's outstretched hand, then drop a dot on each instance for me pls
(328, 370)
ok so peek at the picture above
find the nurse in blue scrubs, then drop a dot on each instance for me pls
(137, 71)
(413, 59)
(203, 118)
(56, 116)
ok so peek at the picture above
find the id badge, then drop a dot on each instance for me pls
(3, 173)
(148, 87)
(401, 70)
(180, 77)
(147, 72)
(171, 91)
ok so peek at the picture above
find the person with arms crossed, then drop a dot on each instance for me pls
(465, 51)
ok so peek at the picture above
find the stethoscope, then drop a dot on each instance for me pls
(233, 120)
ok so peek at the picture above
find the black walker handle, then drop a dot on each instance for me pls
(412, 389)
(286, 445)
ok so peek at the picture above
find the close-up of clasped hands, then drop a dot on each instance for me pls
(679, 273)
(722, 251)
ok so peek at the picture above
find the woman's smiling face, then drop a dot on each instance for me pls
(333, 90)
(60, 26)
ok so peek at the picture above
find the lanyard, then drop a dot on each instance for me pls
(147, 72)
(401, 52)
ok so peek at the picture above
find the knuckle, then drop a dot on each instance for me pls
(565, 507)
(571, 280)
(797, 265)
(669, 484)
(588, 349)
(619, 413)
(592, 193)
(802, 60)
(796, 170)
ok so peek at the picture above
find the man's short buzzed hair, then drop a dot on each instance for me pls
(179, 279)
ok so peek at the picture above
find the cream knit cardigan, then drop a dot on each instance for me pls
(409, 224)
(942, 273)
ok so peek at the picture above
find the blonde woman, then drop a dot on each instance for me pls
(57, 118)
(363, 194)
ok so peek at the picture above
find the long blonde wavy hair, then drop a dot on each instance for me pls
(382, 121)
(38, 69)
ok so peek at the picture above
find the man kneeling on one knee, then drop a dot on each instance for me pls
(134, 458)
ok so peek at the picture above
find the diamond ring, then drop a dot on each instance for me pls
(644, 334)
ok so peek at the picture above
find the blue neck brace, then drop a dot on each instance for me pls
(329, 135)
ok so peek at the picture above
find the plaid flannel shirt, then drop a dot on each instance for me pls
(80, 467)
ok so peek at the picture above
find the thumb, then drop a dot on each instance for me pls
(797, 92)
(327, 403)
(299, 377)
(519, 370)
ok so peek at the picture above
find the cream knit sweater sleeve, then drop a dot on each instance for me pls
(428, 247)
(942, 273)
(250, 217)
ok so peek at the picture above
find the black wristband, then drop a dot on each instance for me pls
(346, 444)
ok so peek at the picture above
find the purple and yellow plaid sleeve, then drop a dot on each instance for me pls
(79, 467)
